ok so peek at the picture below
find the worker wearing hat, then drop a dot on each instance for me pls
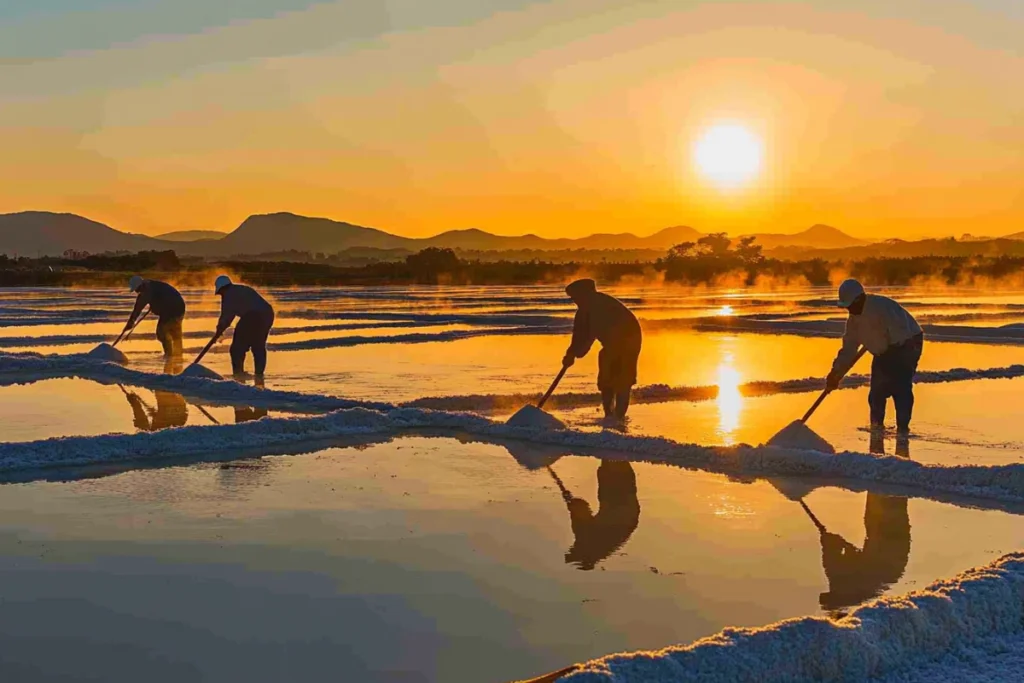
(166, 303)
(895, 340)
(601, 317)
(255, 318)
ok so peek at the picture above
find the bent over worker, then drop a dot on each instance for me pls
(255, 318)
(165, 301)
(895, 340)
(601, 317)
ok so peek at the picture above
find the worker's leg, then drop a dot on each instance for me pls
(605, 381)
(163, 334)
(907, 359)
(622, 403)
(177, 345)
(626, 370)
(241, 342)
(879, 392)
(259, 344)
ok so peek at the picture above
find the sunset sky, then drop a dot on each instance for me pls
(881, 117)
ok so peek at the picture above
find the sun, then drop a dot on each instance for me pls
(728, 155)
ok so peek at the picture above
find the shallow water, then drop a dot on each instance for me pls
(433, 560)
(429, 559)
(78, 407)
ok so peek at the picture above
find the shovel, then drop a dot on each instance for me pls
(127, 333)
(798, 435)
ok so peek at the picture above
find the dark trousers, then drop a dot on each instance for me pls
(892, 374)
(251, 334)
(168, 331)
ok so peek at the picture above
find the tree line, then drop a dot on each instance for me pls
(710, 260)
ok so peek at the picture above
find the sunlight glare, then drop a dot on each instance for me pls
(728, 155)
(730, 400)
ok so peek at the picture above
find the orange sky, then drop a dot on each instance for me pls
(898, 118)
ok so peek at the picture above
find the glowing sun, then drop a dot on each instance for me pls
(728, 155)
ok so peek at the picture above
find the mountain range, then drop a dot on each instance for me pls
(35, 233)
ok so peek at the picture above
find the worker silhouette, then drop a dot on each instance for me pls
(170, 411)
(599, 535)
(859, 574)
(249, 413)
(603, 318)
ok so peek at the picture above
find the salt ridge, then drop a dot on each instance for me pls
(877, 640)
(1002, 483)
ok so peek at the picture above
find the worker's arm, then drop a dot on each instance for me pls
(846, 356)
(582, 339)
(227, 315)
(140, 302)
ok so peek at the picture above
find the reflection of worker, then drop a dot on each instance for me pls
(255, 318)
(855, 575)
(248, 414)
(895, 340)
(604, 318)
(600, 535)
(171, 411)
(166, 302)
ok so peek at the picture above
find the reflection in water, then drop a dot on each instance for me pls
(855, 575)
(599, 535)
(730, 400)
(170, 411)
(247, 414)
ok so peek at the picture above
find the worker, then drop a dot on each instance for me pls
(858, 574)
(171, 411)
(255, 318)
(606, 319)
(165, 301)
(894, 338)
(599, 535)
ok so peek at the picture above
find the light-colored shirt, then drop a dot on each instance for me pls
(882, 323)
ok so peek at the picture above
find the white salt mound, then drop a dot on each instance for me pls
(108, 353)
(201, 371)
(534, 418)
(800, 437)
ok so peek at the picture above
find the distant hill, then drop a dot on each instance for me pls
(478, 240)
(1015, 236)
(815, 237)
(35, 233)
(287, 231)
(190, 235)
(276, 232)
(41, 233)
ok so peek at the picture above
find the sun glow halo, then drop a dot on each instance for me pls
(728, 155)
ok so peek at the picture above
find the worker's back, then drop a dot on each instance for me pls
(610, 322)
(882, 323)
(163, 299)
(237, 300)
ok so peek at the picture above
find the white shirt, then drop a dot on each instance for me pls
(882, 323)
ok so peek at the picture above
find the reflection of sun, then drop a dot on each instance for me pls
(724, 310)
(728, 155)
(730, 400)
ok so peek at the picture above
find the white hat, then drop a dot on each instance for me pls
(134, 282)
(849, 290)
(220, 283)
